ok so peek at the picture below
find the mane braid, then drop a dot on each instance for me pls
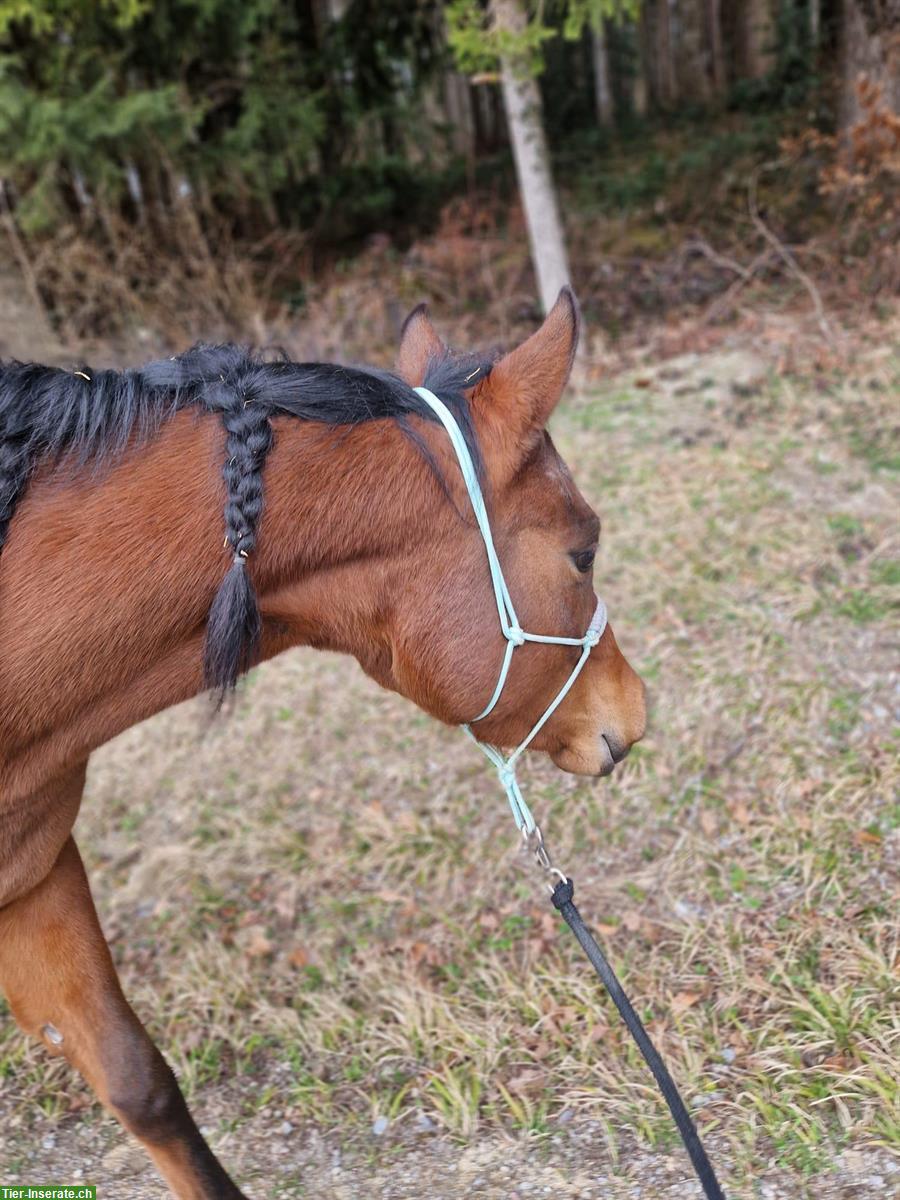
(88, 416)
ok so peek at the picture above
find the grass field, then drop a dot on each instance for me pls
(319, 907)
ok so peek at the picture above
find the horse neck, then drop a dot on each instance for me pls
(106, 581)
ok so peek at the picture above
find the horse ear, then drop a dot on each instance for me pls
(419, 344)
(516, 400)
(527, 384)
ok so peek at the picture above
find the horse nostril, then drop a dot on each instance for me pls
(618, 748)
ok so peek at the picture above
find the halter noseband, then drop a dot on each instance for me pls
(509, 624)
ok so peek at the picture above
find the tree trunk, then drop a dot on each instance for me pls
(691, 51)
(457, 104)
(656, 38)
(870, 38)
(640, 95)
(666, 86)
(717, 71)
(522, 100)
(603, 97)
(756, 38)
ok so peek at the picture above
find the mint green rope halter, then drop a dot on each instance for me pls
(509, 624)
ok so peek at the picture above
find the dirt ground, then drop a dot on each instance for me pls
(318, 906)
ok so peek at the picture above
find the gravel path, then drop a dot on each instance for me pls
(273, 1160)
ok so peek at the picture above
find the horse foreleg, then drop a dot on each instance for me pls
(59, 978)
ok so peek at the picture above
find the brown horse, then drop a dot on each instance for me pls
(367, 546)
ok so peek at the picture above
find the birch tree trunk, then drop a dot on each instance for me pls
(522, 101)
(603, 97)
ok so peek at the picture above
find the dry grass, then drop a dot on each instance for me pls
(321, 896)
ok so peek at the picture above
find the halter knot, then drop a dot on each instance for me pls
(516, 635)
(507, 776)
(592, 637)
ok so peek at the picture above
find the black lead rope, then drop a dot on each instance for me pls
(562, 899)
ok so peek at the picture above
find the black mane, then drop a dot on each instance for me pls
(91, 416)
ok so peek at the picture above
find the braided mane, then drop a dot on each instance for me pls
(93, 416)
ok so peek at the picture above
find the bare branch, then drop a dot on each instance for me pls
(787, 257)
(20, 253)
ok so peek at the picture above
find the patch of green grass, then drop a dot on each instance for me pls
(886, 572)
(456, 1094)
(844, 714)
(845, 525)
(863, 606)
(802, 1140)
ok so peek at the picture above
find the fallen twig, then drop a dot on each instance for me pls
(701, 246)
(747, 275)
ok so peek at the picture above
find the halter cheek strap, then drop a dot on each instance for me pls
(510, 627)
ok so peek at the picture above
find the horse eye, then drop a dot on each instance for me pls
(584, 560)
